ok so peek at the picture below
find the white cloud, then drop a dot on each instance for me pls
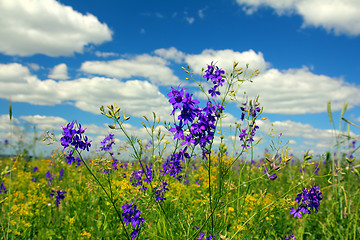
(34, 66)
(171, 54)
(338, 16)
(303, 136)
(47, 27)
(45, 122)
(201, 12)
(299, 91)
(59, 72)
(291, 91)
(190, 20)
(13, 73)
(137, 97)
(106, 54)
(5, 122)
(225, 59)
(151, 67)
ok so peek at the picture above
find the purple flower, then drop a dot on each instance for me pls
(160, 191)
(2, 188)
(136, 177)
(106, 144)
(214, 74)
(35, 169)
(61, 173)
(290, 237)
(173, 166)
(49, 176)
(132, 216)
(208, 238)
(74, 137)
(271, 177)
(71, 159)
(59, 195)
(179, 134)
(309, 199)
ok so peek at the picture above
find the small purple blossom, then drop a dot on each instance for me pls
(49, 176)
(61, 173)
(309, 199)
(173, 166)
(106, 144)
(136, 177)
(214, 74)
(71, 159)
(290, 237)
(132, 216)
(160, 191)
(2, 188)
(272, 176)
(74, 137)
(59, 195)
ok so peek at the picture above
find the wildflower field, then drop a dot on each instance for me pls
(179, 184)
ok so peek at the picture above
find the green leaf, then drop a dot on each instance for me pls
(347, 121)
(329, 112)
(344, 109)
(10, 110)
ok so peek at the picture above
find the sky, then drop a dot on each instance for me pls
(61, 60)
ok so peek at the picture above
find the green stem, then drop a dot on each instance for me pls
(107, 194)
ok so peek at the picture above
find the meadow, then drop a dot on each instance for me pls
(184, 186)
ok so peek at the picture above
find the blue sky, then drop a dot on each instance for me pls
(61, 60)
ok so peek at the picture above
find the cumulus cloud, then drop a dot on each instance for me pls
(302, 135)
(106, 54)
(225, 59)
(299, 91)
(137, 97)
(171, 54)
(45, 122)
(47, 27)
(59, 72)
(291, 91)
(337, 16)
(151, 67)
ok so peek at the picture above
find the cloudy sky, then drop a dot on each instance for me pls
(60, 60)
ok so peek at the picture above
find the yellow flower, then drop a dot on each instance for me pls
(86, 234)
(231, 209)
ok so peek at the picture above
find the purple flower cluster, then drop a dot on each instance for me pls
(71, 159)
(136, 177)
(208, 238)
(2, 188)
(200, 121)
(291, 237)
(272, 176)
(61, 173)
(247, 135)
(160, 191)
(172, 166)
(49, 176)
(308, 199)
(106, 144)
(214, 74)
(74, 137)
(59, 195)
(132, 216)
